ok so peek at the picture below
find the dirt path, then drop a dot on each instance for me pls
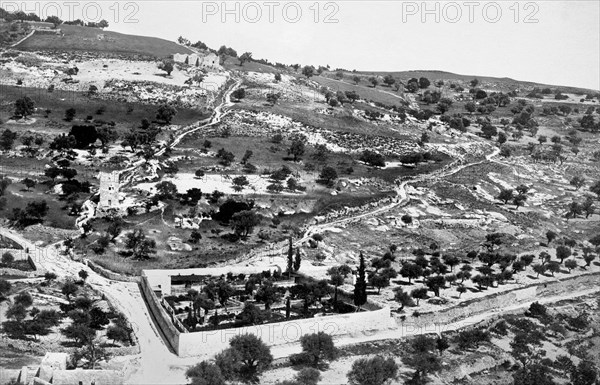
(402, 200)
(156, 364)
(30, 34)
(215, 118)
(153, 363)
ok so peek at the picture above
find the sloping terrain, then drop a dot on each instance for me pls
(452, 193)
(77, 38)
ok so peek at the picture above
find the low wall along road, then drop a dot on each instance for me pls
(377, 320)
(280, 333)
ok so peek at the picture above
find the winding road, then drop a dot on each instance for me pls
(402, 199)
(156, 364)
(215, 118)
(89, 211)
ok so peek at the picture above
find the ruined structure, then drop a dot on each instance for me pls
(53, 370)
(109, 192)
(209, 60)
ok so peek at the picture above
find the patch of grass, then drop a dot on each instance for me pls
(210, 249)
(476, 173)
(328, 202)
(343, 121)
(232, 63)
(502, 84)
(57, 217)
(60, 100)
(77, 38)
(385, 95)
(7, 243)
(22, 265)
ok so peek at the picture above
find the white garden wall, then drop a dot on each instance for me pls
(212, 342)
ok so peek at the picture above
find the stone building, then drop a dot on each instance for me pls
(109, 191)
(210, 60)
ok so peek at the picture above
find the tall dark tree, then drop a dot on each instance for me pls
(7, 139)
(297, 260)
(297, 148)
(290, 258)
(360, 288)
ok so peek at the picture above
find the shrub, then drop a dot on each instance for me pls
(373, 371)
(372, 158)
(471, 338)
(317, 237)
(7, 258)
(316, 348)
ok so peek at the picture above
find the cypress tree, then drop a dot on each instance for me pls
(290, 259)
(297, 260)
(360, 288)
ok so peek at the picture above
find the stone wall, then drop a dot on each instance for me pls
(37, 270)
(6, 375)
(87, 377)
(169, 332)
(124, 351)
(212, 342)
(161, 279)
(209, 60)
(110, 274)
(17, 272)
(501, 301)
(279, 333)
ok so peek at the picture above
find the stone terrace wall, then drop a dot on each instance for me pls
(504, 300)
(17, 272)
(110, 274)
(37, 270)
(85, 377)
(212, 342)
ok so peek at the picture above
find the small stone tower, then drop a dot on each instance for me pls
(109, 190)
